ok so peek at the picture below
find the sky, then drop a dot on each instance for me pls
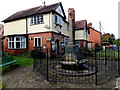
(94, 11)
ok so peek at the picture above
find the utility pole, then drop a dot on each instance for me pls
(100, 25)
(100, 32)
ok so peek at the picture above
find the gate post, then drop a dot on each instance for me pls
(47, 66)
(105, 57)
(118, 61)
(96, 67)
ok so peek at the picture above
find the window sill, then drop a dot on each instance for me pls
(36, 24)
(58, 25)
(15, 48)
(38, 47)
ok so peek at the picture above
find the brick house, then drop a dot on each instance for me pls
(86, 35)
(94, 37)
(81, 33)
(42, 26)
(45, 27)
(107, 39)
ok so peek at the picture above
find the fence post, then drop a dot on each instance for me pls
(47, 67)
(96, 67)
(33, 64)
(40, 57)
(118, 61)
(105, 57)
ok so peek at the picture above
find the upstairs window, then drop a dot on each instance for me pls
(37, 19)
(58, 19)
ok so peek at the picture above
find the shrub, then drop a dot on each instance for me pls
(6, 54)
(117, 42)
(98, 49)
(37, 53)
(26, 54)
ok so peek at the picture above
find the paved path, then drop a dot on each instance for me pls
(24, 77)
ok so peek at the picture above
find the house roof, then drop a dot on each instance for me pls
(81, 24)
(33, 11)
(106, 34)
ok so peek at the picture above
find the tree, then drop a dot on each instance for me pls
(117, 42)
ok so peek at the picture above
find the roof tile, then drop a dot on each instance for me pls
(32, 11)
(80, 24)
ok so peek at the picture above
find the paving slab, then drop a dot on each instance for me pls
(25, 77)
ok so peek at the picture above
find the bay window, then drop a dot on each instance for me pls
(57, 19)
(18, 42)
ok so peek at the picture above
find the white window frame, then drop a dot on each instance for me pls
(37, 41)
(56, 18)
(37, 19)
(15, 42)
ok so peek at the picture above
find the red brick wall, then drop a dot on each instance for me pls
(16, 51)
(44, 36)
(94, 37)
(5, 44)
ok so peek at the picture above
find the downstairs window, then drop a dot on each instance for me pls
(37, 42)
(18, 42)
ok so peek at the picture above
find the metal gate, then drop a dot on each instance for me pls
(98, 66)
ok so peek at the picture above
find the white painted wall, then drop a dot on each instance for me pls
(19, 26)
(15, 27)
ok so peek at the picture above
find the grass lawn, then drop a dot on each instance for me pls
(110, 53)
(22, 61)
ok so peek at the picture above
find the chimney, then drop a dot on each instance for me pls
(71, 14)
(90, 25)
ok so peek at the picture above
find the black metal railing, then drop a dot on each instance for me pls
(96, 66)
